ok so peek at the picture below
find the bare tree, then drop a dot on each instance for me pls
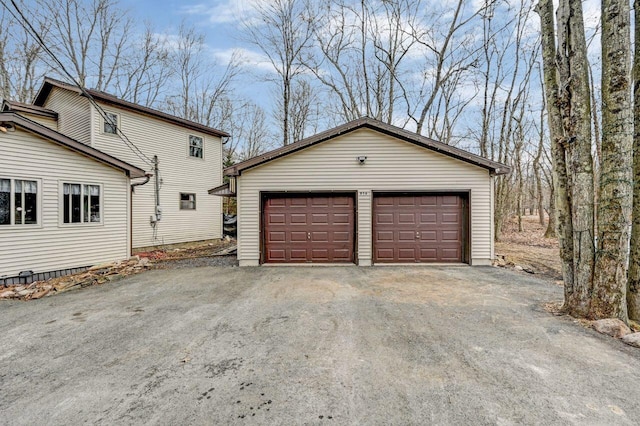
(89, 36)
(282, 32)
(146, 70)
(202, 91)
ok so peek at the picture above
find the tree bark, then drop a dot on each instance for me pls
(633, 285)
(615, 196)
(576, 109)
(561, 191)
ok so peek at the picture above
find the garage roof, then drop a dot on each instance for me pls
(370, 123)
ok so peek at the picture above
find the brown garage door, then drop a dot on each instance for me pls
(301, 229)
(418, 228)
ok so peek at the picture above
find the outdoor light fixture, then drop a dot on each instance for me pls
(361, 159)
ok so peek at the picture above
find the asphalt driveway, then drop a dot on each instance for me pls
(349, 345)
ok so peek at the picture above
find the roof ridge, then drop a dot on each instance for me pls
(106, 97)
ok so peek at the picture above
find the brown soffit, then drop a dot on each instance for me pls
(50, 83)
(13, 106)
(72, 144)
(494, 167)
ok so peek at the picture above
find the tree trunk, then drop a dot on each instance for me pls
(633, 294)
(576, 109)
(615, 197)
(561, 192)
(551, 224)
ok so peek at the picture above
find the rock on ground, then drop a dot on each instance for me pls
(611, 327)
(632, 339)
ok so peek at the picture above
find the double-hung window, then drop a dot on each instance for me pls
(18, 202)
(110, 125)
(81, 203)
(196, 148)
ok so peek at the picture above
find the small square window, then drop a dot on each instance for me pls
(110, 123)
(187, 201)
(195, 146)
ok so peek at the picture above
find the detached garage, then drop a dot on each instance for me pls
(365, 193)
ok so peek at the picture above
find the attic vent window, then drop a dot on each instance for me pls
(110, 123)
(195, 146)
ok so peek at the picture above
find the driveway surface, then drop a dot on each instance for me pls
(311, 345)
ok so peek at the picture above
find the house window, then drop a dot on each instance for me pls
(18, 202)
(110, 123)
(195, 146)
(187, 201)
(81, 203)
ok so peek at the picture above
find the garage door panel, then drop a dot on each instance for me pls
(418, 228)
(341, 218)
(278, 254)
(384, 218)
(406, 236)
(297, 236)
(276, 218)
(450, 254)
(429, 236)
(276, 237)
(320, 255)
(309, 229)
(453, 218)
(429, 218)
(319, 237)
(342, 237)
(342, 255)
(429, 254)
(320, 218)
(406, 218)
(451, 236)
(406, 254)
(450, 200)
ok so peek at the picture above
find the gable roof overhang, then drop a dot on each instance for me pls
(494, 167)
(14, 106)
(223, 190)
(71, 144)
(50, 83)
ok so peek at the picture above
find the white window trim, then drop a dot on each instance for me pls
(13, 226)
(103, 122)
(82, 224)
(189, 147)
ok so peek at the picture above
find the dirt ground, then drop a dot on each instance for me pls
(196, 249)
(530, 248)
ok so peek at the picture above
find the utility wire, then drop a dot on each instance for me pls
(24, 22)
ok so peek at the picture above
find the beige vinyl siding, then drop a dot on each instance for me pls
(178, 172)
(74, 114)
(51, 245)
(45, 121)
(391, 165)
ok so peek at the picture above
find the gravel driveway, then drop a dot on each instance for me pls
(311, 345)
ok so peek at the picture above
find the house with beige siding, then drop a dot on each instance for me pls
(174, 207)
(365, 193)
(63, 204)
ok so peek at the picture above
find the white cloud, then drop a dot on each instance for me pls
(224, 11)
(249, 58)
